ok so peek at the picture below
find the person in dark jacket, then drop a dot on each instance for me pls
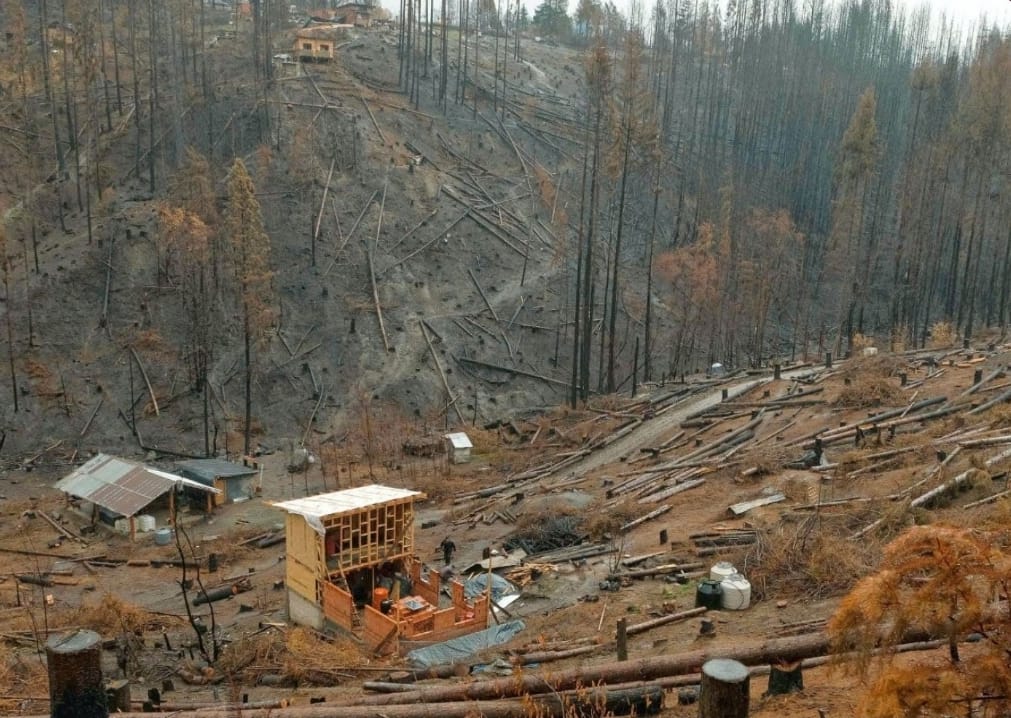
(448, 548)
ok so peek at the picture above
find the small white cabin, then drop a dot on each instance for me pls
(458, 446)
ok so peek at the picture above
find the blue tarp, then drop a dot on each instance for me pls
(477, 586)
(459, 649)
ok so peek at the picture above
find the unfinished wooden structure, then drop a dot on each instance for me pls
(316, 44)
(351, 566)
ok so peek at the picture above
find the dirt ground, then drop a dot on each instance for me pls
(564, 603)
(806, 554)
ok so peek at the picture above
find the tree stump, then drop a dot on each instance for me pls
(785, 678)
(724, 690)
(75, 676)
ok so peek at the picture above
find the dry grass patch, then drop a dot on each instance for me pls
(812, 558)
(869, 391)
(300, 655)
(112, 615)
(21, 674)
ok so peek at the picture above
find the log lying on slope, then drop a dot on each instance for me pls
(643, 669)
(638, 700)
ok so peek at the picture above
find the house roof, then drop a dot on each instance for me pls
(459, 440)
(120, 485)
(322, 506)
(320, 32)
(210, 469)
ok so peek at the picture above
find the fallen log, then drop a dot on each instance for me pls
(147, 382)
(999, 399)
(511, 370)
(637, 700)
(655, 570)
(957, 481)
(643, 669)
(236, 708)
(843, 431)
(450, 399)
(663, 620)
(369, 254)
(643, 519)
(673, 490)
(549, 656)
(221, 593)
(271, 540)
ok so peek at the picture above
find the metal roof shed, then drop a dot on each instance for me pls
(235, 481)
(122, 486)
(458, 446)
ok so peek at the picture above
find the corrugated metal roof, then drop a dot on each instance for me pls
(119, 485)
(210, 469)
(321, 506)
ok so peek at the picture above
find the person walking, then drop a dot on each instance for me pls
(448, 548)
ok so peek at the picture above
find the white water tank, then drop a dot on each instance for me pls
(722, 570)
(736, 593)
(145, 523)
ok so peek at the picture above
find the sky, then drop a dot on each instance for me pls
(965, 12)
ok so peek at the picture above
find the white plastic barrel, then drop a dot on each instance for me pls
(145, 523)
(722, 570)
(736, 593)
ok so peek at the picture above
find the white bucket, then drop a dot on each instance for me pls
(722, 570)
(122, 526)
(736, 593)
(145, 523)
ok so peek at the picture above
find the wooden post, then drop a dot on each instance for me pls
(828, 360)
(622, 639)
(172, 507)
(663, 536)
(776, 371)
(75, 676)
(977, 376)
(724, 692)
(133, 530)
(724, 394)
(903, 378)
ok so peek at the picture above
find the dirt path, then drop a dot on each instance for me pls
(654, 431)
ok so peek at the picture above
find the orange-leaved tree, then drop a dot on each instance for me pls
(251, 256)
(951, 582)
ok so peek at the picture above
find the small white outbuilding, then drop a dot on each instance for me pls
(458, 447)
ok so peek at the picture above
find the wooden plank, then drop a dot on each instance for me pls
(744, 507)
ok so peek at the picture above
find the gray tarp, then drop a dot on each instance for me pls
(462, 648)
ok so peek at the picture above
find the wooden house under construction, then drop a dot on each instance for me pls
(351, 566)
(317, 44)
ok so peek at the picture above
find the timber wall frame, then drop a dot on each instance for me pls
(368, 537)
